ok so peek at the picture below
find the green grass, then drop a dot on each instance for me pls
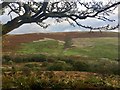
(49, 46)
(96, 47)
(90, 47)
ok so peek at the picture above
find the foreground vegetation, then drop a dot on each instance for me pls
(61, 79)
(33, 72)
(72, 63)
(54, 63)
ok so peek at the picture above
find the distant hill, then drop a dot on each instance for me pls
(12, 41)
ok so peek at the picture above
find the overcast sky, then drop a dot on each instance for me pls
(57, 27)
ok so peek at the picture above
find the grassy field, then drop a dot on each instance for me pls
(88, 47)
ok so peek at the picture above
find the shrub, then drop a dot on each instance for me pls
(19, 59)
(80, 66)
(27, 58)
(59, 66)
(6, 59)
(70, 61)
(37, 58)
(104, 66)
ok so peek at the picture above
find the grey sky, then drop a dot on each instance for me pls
(57, 27)
(60, 27)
